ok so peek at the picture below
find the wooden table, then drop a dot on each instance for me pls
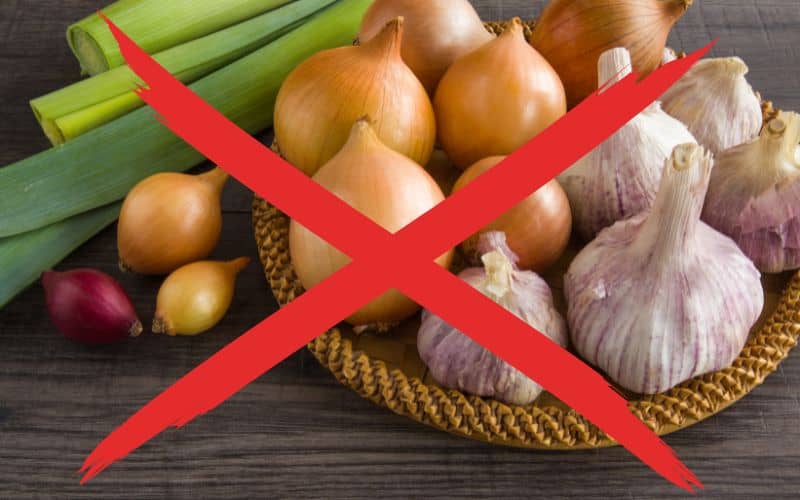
(296, 432)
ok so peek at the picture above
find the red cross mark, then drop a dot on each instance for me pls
(411, 251)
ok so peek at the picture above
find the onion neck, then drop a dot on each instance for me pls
(675, 9)
(362, 137)
(389, 40)
(215, 178)
(672, 224)
(514, 29)
(238, 265)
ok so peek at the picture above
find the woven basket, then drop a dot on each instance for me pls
(387, 370)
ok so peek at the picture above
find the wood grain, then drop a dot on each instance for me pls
(295, 432)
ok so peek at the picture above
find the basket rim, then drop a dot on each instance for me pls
(535, 425)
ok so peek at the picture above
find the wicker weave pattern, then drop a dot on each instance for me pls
(535, 426)
(541, 425)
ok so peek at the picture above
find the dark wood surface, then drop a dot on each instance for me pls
(296, 432)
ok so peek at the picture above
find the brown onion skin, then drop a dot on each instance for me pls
(385, 186)
(437, 33)
(89, 307)
(322, 98)
(496, 99)
(572, 34)
(169, 220)
(537, 229)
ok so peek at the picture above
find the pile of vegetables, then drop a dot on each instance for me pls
(677, 213)
(54, 201)
(656, 296)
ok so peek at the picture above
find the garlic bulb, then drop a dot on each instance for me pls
(662, 297)
(715, 101)
(754, 196)
(456, 361)
(620, 177)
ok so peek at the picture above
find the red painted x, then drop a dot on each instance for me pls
(411, 252)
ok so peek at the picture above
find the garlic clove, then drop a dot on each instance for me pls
(754, 196)
(662, 297)
(717, 103)
(456, 361)
(620, 177)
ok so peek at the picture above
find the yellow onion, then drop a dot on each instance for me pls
(169, 220)
(383, 185)
(572, 34)
(537, 229)
(497, 98)
(196, 297)
(322, 98)
(437, 33)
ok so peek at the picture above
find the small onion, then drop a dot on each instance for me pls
(169, 220)
(385, 186)
(322, 98)
(89, 306)
(537, 230)
(437, 33)
(196, 297)
(572, 34)
(497, 98)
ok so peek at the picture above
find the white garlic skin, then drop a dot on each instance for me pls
(715, 101)
(458, 362)
(662, 297)
(669, 56)
(620, 177)
(754, 196)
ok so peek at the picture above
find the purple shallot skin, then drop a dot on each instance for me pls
(89, 307)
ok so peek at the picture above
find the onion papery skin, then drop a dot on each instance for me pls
(496, 99)
(537, 230)
(169, 220)
(90, 307)
(437, 33)
(323, 97)
(572, 34)
(196, 297)
(386, 187)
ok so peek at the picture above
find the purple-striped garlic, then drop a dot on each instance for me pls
(754, 196)
(715, 101)
(620, 177)
(457, 362)
(662, 297)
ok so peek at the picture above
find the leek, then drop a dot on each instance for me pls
(23, 258)
(156, 25)
(83, 106)
(101, 166)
